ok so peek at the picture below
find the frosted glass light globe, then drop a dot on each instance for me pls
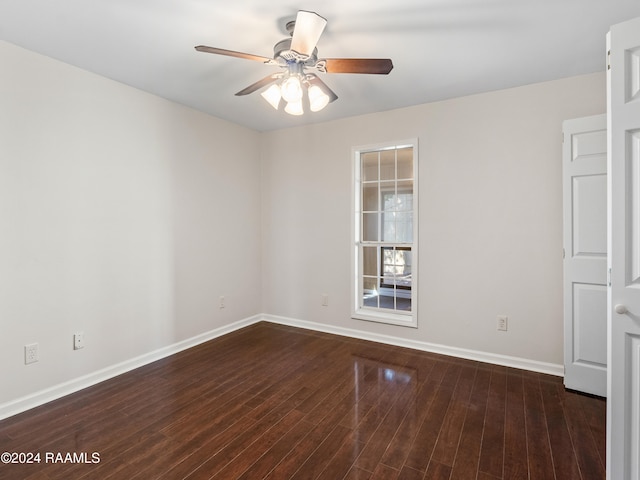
(272, 95)
(291, 89)
(294, 108)
(317, 98)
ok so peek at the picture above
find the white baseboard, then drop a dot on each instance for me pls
(493, 358)
(43, 396)
(57, 391)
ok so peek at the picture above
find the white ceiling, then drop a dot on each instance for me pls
(440, 48)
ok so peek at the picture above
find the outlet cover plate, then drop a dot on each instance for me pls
(31, 354)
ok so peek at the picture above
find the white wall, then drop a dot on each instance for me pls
(122, 215)
(490, 216)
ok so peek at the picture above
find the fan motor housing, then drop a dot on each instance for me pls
(282, 49)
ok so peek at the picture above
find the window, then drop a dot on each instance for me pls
(385, 229)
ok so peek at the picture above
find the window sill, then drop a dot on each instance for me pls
(374, 315)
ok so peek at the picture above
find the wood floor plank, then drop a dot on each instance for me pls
(447, 444)
(564, 458)
(262, 443)
(591, 466)
(538, 446)
(492, 449)
(438, 471)
(261, 467)
(376, 414)
(408, 473)
(397, 451)
(379, 442)
(486, 476)
(594, 413)
(299, 454)
(516, 466)
(343, 460)
(320, 458)
(382, 472)
(280, 403)
(243, 440)
(422, 448)
(466, 463)
(358, 474)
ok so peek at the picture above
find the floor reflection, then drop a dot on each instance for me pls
(383, 392)
(369, 370)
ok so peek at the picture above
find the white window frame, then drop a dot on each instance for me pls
(358, 311)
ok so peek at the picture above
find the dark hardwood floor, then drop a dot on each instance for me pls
(276, 402)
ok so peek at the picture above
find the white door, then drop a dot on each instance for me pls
(623, 106)
(584, 182)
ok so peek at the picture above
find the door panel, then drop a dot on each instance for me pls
(589, 326)
(590, 214)
(633, 205)
(585, 246)
(623, 108)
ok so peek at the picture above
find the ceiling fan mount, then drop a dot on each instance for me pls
(296, 54)
(290, 26)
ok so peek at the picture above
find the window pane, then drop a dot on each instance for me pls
(407, 261)
(404, 302)
(369, 166)
(396, 266)
(370, 300)
(370, 197)
(403, 227)
(404, 201)
(370, 227)
(389, 198)
(388, 165)
(403, 272)
(370, 292)
(370, 285)
(387, 301)
(389, 227)
(370, 261)
(405, 162)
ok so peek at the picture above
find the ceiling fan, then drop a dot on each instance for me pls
(294, 56)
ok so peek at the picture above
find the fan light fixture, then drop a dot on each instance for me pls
(292, 89)
(295, 86)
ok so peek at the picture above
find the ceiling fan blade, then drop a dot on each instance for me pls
(231, 53)
(259, 84)
(380, 66)
(315, 80)
(309, 27)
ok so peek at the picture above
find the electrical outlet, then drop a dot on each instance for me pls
(78, 341)
(325, 300)
(31, 353)
(222, 303)
(502, 322)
